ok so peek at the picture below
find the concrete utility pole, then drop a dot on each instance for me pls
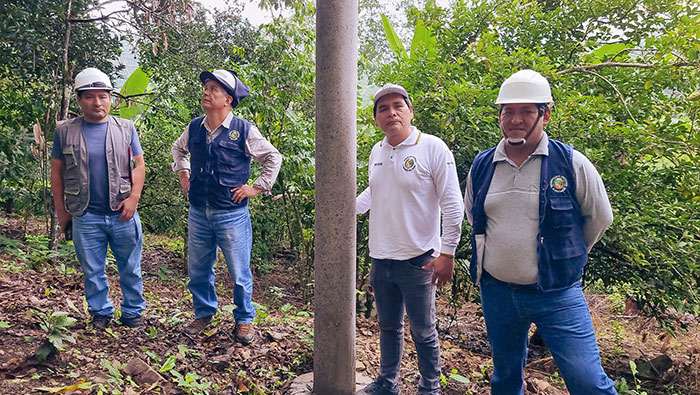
(334, 262)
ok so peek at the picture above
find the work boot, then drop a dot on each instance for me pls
(197, 326)
(132, 322)
(245, 333)
(380, 387)
(100, 321)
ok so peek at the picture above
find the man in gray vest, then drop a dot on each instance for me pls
(96, 193)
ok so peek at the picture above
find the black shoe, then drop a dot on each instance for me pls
(380, 387)
(100, 321)
(132, 322)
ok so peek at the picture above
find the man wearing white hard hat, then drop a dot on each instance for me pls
(215, 179)
(96, 192)
(412, 182)
(537, 206)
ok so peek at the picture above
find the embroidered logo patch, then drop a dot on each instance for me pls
(409, 163)
(233, 134)
(558, 183)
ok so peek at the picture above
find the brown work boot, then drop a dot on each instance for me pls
(245, 333)
(197, 326)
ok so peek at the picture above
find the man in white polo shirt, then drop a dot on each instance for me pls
(412, 180)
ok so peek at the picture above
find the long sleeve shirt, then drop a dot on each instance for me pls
(410, 185)
(256, 146)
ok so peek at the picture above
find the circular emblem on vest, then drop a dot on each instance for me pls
(558, 183)
(409, 163)
(233, 135)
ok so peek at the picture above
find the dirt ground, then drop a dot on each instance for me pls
(161, 359)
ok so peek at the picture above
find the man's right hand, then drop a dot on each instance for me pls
(185, 182)
(63, 218)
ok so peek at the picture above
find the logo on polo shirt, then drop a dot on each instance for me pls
(409, 163)
(234, 134)
(558, 183)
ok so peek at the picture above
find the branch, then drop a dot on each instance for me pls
(606, 64)
(622, 98)
(101, 6)
(622, 64)
(102, 18)
(128, 97)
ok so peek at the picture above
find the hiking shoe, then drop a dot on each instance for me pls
(132, 322)
(380, 387)
(100, 321)
(245, 333)
(197, 326)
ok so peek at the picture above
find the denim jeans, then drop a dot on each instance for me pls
(231, 231)
(91, 234)
(403, 286)
(564, 321)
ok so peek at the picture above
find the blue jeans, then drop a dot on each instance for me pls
(564, 321)
(398, 286)
(91, 234)
(231, 231)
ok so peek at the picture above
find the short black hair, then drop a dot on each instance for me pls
(408, 103)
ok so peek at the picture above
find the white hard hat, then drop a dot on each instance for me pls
(525, 86)
(92, 79)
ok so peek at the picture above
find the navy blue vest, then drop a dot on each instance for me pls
(561, 248)
(218, 166)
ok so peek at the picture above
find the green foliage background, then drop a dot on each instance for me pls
(622, 73)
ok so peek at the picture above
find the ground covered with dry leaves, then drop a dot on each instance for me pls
(39, 288)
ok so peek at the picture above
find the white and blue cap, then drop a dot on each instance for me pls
(228, 79)
(387, 90)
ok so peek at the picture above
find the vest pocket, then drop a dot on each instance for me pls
(71, 188)
(229, 181)
(562, 211)
(564, 247)
(563, 262)
(69, 158)
(124, 185)
(229, 153)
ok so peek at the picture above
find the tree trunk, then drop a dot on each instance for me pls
(65, 89)
(65, 97)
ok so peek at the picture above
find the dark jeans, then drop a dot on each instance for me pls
(403, 286)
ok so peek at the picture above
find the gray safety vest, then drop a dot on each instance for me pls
(76, 170)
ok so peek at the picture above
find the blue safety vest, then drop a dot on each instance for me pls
(562, 252)
(218, 166)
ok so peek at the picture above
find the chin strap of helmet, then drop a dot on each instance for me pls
(521, 141)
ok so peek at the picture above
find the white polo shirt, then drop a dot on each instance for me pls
(409, 186)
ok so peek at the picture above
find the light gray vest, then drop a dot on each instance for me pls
(76, 170)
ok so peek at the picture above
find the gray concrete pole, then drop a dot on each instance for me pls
(334, 254)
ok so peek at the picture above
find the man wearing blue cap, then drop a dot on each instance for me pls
(215, 179)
